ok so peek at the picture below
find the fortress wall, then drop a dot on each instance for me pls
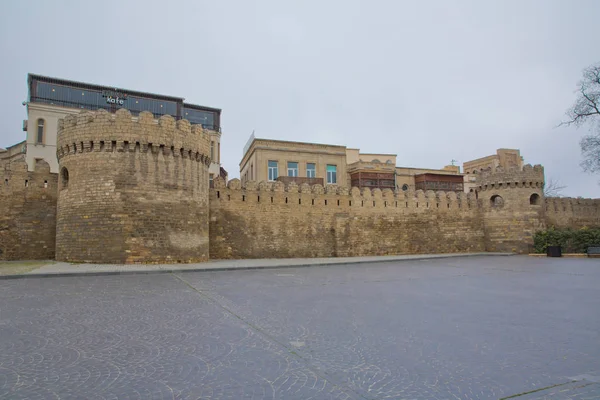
(27, 212)
(512, 207)
(132, 190)
(566, 212)
(271, 220)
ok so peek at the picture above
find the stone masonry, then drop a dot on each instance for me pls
(132, 191)
(27, 211)
(136, 190)
(273, 220)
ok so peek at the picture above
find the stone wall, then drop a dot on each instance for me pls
(566, 212)
(132, 190)
(27, 211)
(512, 207)
(271, 220)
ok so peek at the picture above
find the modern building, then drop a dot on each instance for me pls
(277, 160)
(50, 99)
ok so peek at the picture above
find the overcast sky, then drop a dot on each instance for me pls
(430, 80)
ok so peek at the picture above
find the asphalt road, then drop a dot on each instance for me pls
(465, 328)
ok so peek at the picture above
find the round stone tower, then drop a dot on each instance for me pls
(512, 204)
(131, 190)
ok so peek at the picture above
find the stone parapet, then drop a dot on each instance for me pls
(568, 212)
(99, 131)
(527, 177)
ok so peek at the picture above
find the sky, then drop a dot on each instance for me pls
(430, 81)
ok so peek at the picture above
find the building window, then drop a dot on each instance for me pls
(405, 187)
(40, 131)
(311, 170)
(211, 178)
(292, 168)
(219, 152)
(251, 171)
(273, 172)
(331, 174)
(212, 150)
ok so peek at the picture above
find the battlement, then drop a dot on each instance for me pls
(342, 196)
(120, 132)
(528, 177)
(16, 178)
(570, 204)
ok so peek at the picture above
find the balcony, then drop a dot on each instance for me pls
(373, 180)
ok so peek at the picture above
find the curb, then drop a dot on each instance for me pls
(564, 255)
(243, 268)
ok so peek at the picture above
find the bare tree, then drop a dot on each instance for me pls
(590, 148)
(553, 188)
(586, 111)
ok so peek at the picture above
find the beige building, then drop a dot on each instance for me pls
(41, 127)
(271, 160)
(505, 158)
(51, 99)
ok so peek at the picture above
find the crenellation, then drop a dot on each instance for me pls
(136, 189)
(567, 212)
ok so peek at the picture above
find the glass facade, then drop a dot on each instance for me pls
(91, 97)
(206, 118)
(95, 99)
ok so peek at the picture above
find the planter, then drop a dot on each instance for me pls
(554, 251)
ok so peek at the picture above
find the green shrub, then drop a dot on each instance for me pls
(570, 240)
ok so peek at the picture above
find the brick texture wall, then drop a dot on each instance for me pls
(275, 221)
(512, 206)
(137, 189)
(27, 212)
(566, 212)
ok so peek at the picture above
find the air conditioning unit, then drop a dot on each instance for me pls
(25, 125)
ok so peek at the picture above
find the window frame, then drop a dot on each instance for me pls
(37, 132)
(314, 170)
(275, 169)
(296, 169)
(333, 180)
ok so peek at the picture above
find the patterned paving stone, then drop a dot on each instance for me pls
(474, 328)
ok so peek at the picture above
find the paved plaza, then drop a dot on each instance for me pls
(452, 328)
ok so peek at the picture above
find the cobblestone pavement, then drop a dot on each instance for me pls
(463, 328)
